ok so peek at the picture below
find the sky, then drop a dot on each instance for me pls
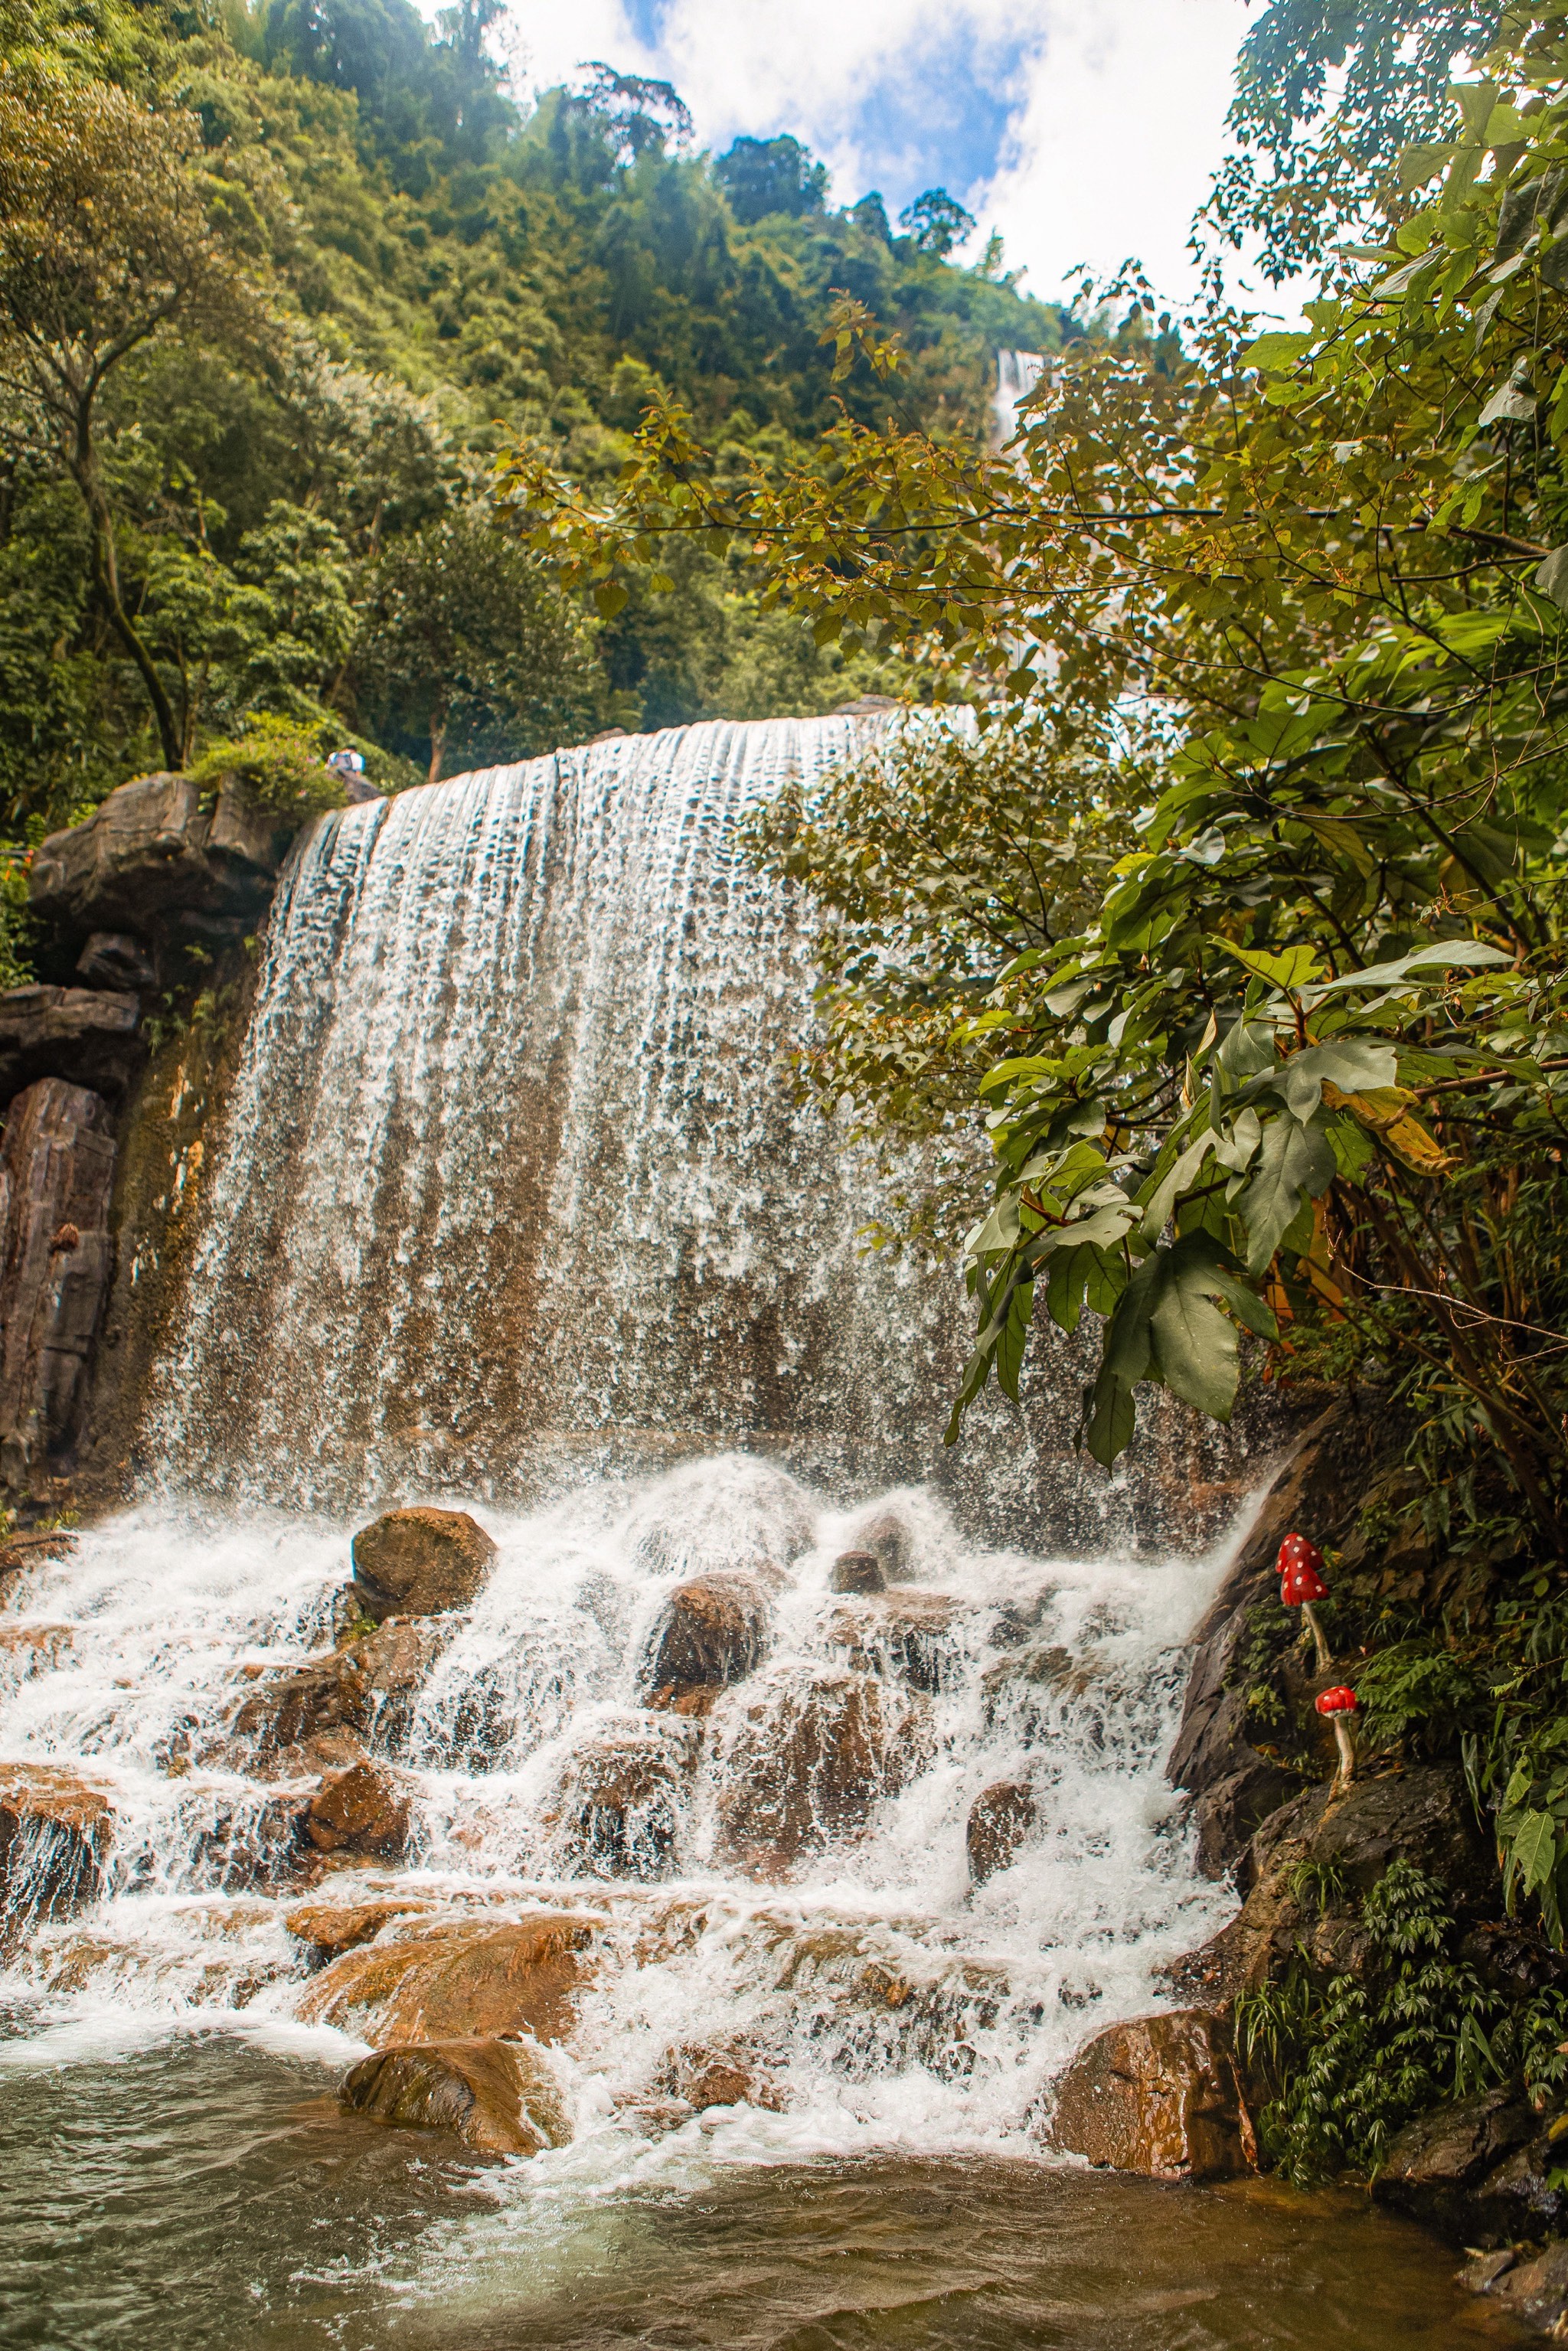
(1084, 131)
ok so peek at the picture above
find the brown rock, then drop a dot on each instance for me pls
(86, 1036)
(810, 1757)
(328, 1928)
(365, 1809)
(34, 1549)
(1345, 1842)
(1537, 2291)
(1000, 1818)
(421, 1563)
(857, 1570)
(35, 1648)
(904, 1632)
(620, 1799)
(56, 1831)
(320, 1714)
(1441, 2167)
(889, 1537)
(156, 845)
(449, 1980)
(1157, 2097)
(711, 1632)
(703, 2074)
(56, 1168)
(498, 2097)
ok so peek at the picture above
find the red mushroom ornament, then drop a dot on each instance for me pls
(1337, 1706)
(1300, 1566)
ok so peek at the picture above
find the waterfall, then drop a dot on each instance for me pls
(514, 1211)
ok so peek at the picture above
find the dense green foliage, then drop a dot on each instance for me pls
(276, 280)
(1349, 2061)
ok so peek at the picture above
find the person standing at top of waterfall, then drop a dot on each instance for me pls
(350, 765)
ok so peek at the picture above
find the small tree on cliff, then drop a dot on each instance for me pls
(107, 242)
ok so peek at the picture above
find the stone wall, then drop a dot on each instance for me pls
(111, 1070)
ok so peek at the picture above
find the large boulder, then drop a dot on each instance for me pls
(711, 1632)
(421, 1563)
(364, 1810)
(321, 1715)
(498, 2097)
(458, 1978)
(1318, 1486)
(56, 1830)
(809, 1757)
(1476, 2171)
(904, 1633)
(158, 845)
(1312, 1864)
(87, 1036)
(114, 959)
(1158, 2096)
(621, 1796)
(56, 1173)
(1000, 1818)
(1535, 2293)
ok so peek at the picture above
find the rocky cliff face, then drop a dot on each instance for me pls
(109, 1071)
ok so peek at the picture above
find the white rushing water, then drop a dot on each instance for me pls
(513, 1211)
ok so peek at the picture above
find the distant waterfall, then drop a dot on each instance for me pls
(1018, 372)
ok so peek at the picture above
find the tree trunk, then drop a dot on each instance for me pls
(106, 576)
(437, 745)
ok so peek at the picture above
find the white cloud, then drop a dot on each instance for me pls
(1084, 129)
(1111, 153)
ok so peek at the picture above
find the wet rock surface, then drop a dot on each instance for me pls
(114, 959)
(857, 1570)
(1467, 2171)
(86, 1036)
(323, 1713)
(457, 1978)
(711, 1632)
(1321, 1483)
(621, 1797)
(809, 1758)
(56, 1831)
(700, 2074)
(1000, 1819)
(498, 2097)
(906, 1634)
(364, 1810)
(421, 1563)
(57, 1174)
(1158, 2097)
(1341, 1847)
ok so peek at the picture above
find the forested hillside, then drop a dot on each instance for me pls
(277, 281)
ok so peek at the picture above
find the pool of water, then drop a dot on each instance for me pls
(207, 2195)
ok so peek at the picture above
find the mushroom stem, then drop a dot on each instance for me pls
(1325, 1660)
(1347, 1744)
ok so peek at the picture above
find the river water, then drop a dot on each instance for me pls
(514, 1211)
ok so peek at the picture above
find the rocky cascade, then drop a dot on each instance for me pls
(595, 1820)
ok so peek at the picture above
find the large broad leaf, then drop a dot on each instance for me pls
(1533, 1849)
(1014, 1339)
(1293, 967)
(1245, 1050)
(1351, 1063)
(1295, 1164)
(1194, 1345)
(1111, 1417)
(1422, 963)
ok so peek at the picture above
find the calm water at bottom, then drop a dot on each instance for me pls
(207, 2197)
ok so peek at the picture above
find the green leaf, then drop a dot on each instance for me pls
(1275, 353)
(1551, 578)
(1193, 1345)
(1296, 1163)
(1014, 1339)
(1112, 1419)
(1291, 968)
(1351, 1063)
(1422, 963)
(1533, 1849)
